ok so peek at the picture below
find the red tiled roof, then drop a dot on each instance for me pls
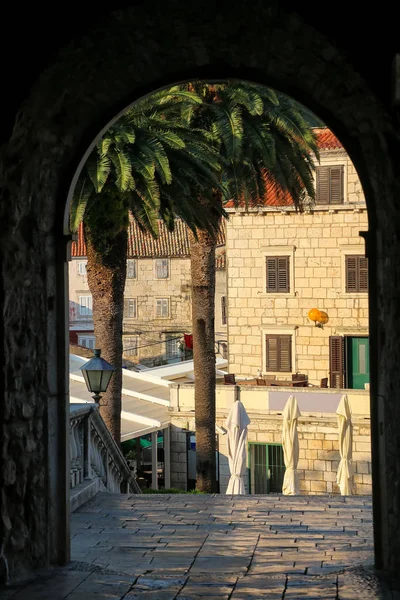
(172, 244)
(326, 139)
(274, 196)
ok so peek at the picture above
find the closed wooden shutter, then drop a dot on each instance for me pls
(271, 353)
(322, 185)
(336, 361)
(285, 354)
(278, 353)
(223, 310)
(351, 274)
(363, 274)
(277, 274)
(356, 274)
(336, 185)
(330, 185)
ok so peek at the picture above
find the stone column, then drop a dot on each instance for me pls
(154, 479)
(87, 469)
(167, 457)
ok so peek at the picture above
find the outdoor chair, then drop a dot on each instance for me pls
(229, 379)
(299, 377)
(324, 382)
(261, 382)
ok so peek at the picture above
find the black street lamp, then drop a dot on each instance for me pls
(97, 373)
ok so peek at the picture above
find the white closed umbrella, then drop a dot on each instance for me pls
(236, 425)
(345, 472)
(290, 443)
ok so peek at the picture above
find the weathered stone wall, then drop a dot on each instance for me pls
(145, 288)
(318, 451)
(128, 54)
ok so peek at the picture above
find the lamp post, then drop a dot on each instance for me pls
(97, 373)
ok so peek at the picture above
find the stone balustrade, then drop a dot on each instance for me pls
(96, 462)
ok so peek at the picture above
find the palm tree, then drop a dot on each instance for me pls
(144, 162)
(262, 138)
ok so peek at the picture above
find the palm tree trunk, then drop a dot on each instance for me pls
(203, 310)
(106, 273)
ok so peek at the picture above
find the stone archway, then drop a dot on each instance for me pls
(119, 60)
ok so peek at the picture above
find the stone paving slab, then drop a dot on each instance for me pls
(187, 547)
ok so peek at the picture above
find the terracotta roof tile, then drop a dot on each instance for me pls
(326, 139)
(172, 244)
(274, 195)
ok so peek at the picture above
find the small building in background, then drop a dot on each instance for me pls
(157, 300)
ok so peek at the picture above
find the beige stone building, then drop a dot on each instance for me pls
(318, 432)
(157, 302)
(281, 264)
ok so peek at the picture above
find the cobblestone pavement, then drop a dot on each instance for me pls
(189, 546)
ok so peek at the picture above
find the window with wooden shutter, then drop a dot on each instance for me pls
(162, 268)
(131, 268)
(277, 274)
(85, 306)
(162, 307)
(330, 185)
(223, 310)
(336, 361)
(356, 274)
(130, 345)
(278, 353)
(130, 308)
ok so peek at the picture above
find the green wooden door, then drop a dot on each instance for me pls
(358, 362)
(266, 468)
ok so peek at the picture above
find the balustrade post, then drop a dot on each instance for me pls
(87, 469)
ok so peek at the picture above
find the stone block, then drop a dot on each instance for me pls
(330, 476)
(363, 447)
(303, 464)
(305, 485)
(328, 455)
(327, 444)
(363, 490)
(363, 467)
(318, 486)
(314, 444)
(319, 465)
(313, 475)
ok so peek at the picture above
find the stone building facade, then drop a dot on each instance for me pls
(281, 264)
(157, 303)
(318, 438)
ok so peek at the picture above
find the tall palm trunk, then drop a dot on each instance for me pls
(203, 310)
(106, 278)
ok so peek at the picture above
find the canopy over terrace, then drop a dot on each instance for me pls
(145, 403)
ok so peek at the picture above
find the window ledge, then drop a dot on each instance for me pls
(353, 295)
(277, 294)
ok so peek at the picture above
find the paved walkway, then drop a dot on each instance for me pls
(188, 547)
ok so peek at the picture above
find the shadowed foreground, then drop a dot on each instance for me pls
(205, 546)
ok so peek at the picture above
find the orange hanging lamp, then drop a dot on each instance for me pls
(319, 317)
